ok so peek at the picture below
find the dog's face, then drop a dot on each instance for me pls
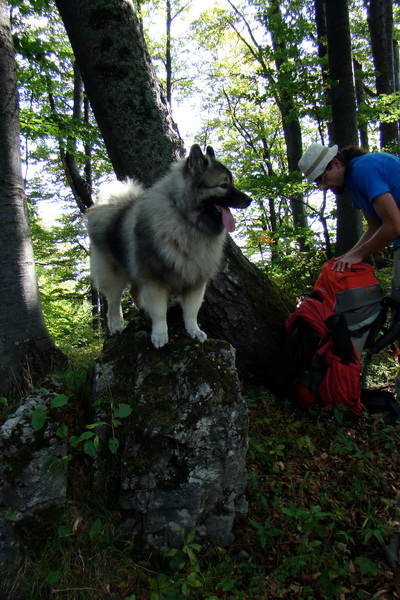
(212, 191)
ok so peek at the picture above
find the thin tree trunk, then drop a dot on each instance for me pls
(360, 98)
(168, 58)
(380, 23)
(26, 349)
(320, 22)
(288, 109)
(344, 115)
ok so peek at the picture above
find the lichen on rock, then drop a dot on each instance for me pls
(182, 455)
(32, 500)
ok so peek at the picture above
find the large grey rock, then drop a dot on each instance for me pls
(181, 457)
(32, 500)
(181, 461)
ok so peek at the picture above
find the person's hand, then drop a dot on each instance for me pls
(346, 261)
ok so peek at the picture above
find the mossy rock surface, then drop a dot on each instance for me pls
(182, 449)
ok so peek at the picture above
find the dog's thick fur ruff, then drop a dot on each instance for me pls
(165, 240)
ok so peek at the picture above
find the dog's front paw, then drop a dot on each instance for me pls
(116, 330)
(197, 334)
(159, 336)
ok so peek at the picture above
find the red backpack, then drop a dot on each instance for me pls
(319, 362)
(355, 292)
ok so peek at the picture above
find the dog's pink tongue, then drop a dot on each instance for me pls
(227, 219)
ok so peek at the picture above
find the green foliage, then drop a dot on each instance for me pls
(318, 523)
(322, 522)
(73, 380)
(39, 415)
(62, 265)
(185, 566)
(89, 440)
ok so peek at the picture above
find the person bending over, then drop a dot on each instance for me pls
(373, 181)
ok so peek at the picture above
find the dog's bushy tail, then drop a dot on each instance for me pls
(119, 192)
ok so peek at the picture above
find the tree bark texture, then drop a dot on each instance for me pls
(26, 349)
(320, 24)
(360, 99)
(242, 305)
(380, 23)
(244, 308)
(344, 115)
(127, 100)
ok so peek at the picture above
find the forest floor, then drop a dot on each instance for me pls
(323, 523)
(324, 492)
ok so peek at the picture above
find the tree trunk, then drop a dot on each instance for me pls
(344, 116)
(288, 110)
(396, 64)
(81, 186)
(26, 349)
(128, 102)
(320, 24)
(94, 28)
(380, 23)
(360, 99)
(244, 308)
(168, 57)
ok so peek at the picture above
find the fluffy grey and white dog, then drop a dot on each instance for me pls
(164, 240)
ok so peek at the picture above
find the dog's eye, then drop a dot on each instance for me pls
(224, 186)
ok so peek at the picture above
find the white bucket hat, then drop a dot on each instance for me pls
(315, 160)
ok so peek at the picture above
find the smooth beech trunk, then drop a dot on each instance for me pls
(26, 349)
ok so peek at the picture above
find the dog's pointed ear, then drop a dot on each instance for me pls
(196, 159)
(210, 151)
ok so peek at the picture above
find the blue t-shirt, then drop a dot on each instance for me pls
(370, 175)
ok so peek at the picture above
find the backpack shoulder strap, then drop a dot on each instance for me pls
(390, 335)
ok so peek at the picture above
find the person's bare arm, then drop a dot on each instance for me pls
(376, 236)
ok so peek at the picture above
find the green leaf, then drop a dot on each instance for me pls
(51, 465)
(113, 445)
(86, 435)
(62, 431)
(39, 417)
(63, 531)
(100, 401)
(75, 440)
(94, 425)
(192, 556)
(339, 413)
(305, 442)
(123, 410)
(89, 448)
(60, 400)
(191, 535)
(3, 401)
(96, 529)
(193, 580)
(367, 567)
(52, 577)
